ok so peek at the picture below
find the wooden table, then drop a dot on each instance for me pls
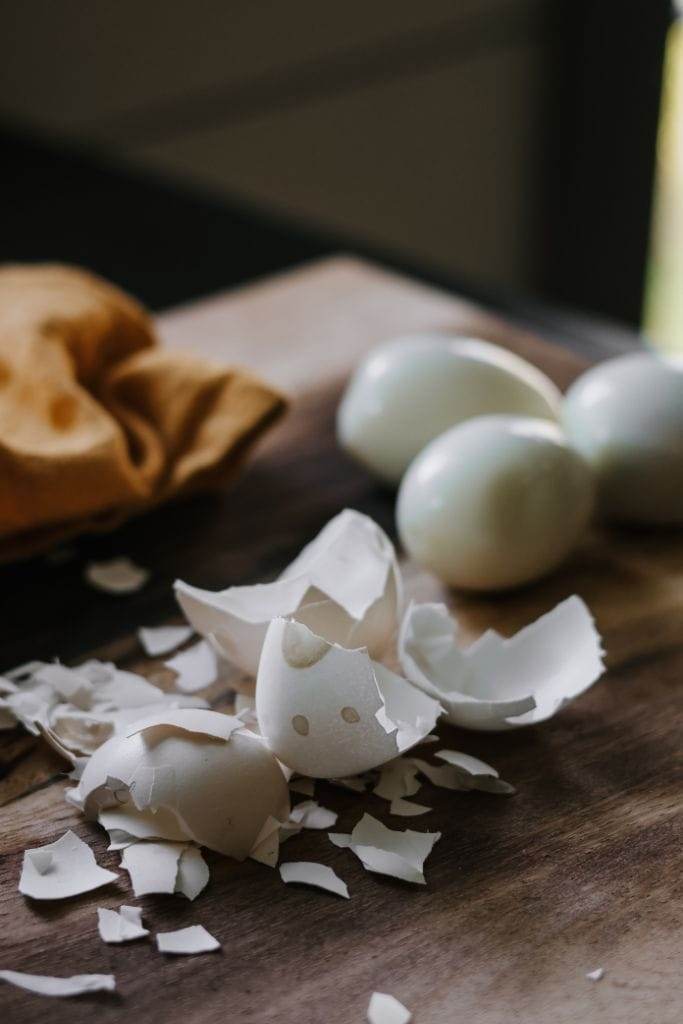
(580, 869)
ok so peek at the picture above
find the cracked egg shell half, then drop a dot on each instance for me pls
(344, 585)
(329, 712)
(220, 791)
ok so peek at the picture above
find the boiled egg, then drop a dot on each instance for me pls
(625, 416)
(494, 502)
(409, 390)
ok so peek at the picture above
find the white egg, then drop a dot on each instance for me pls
(409, 390)
(220, 791)
(328, 712)
(625, 416)
(494, 502)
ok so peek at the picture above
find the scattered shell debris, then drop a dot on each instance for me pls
(166, 777)
(78, 709)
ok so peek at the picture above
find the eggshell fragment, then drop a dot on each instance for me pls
(195, 668)
(223, 789)
(410, 390)
(123, 925)
(454, 775)
(502, 683)
(345, 585)
(46, 985)
(407, 808)
(117, 576)
(386, 851)
(78, 709)
(158, 640)
(194, 939)
(318, 875)
(494, 502)
(329, 712)
(61, 869)
(386, 1009)
(625, 416)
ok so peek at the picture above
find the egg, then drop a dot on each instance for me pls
(625, 416)
(494, 502)
(411, 389)
(328, 712)
(219, 792)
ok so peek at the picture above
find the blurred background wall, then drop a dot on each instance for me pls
(508, 142)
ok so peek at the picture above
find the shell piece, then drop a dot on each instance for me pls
(78, 709)
(502, 683)
(61, 869)
(157, 640)
(46, 985)
(345, 585)
(117, 576)
(310, 873)
(386, 851)
(165, 867)
(386, 1009)
(336, 712)
(123, 925)
(409, 390)
(221, 791)
(194, 939)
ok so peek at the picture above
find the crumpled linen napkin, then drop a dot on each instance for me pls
(97, 422)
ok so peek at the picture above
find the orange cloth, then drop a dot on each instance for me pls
(97, 423)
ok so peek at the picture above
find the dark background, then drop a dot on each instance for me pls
(503, 146)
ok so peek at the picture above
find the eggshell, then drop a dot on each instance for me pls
(625, 416)
(345, 585)
(494, 502)
(410, 390)
(329, 712)
(221, 791)
(500, 683)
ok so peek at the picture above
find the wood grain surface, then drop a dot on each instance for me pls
(580, 869)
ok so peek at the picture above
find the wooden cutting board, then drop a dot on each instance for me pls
(581, 869)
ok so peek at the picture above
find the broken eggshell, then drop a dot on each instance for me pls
(502, 682)
(220, 790)
(345, 585)
(329, 712)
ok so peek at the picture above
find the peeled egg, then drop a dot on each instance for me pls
(494, 502)
(327, 711)
(219, 792)
(625, 416)
(409, 390)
